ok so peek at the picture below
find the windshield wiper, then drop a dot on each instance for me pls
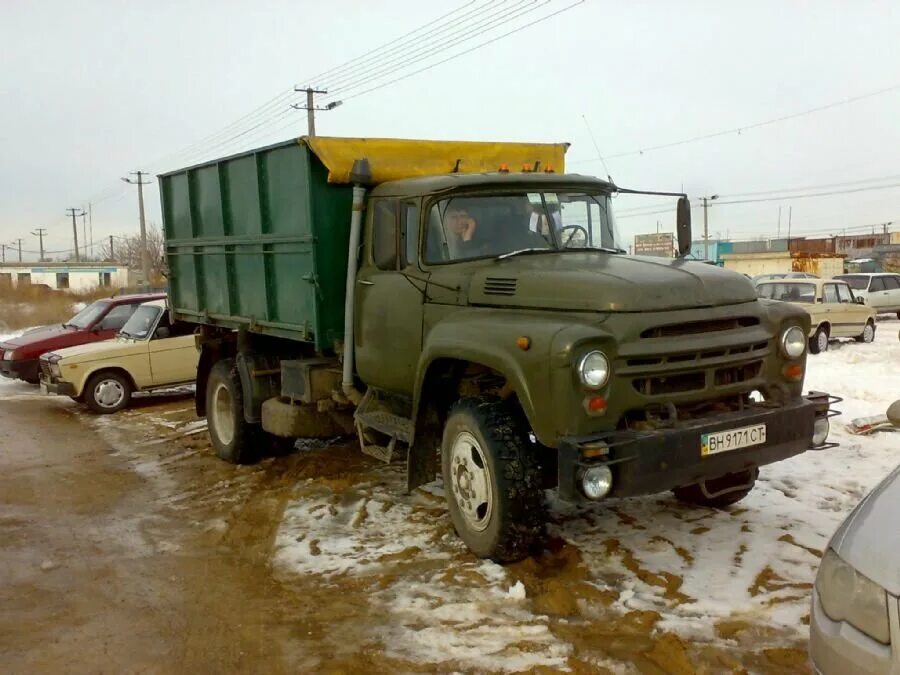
(520, 251)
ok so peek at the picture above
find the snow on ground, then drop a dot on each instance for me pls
(753, 563)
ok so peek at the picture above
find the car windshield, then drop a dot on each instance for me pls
(469, 227)
(88, 315)
(857, 283)
(141, 322)
(787, 292)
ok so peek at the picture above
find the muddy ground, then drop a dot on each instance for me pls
(125, 546)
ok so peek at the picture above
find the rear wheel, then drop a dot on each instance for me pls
(233, 438)
(718, 492)
(868, 334)
(818, 343)
(107, 392)
(492, 479)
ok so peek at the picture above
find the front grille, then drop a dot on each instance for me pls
(738, 374)
(695, 327)
(500, 286)
(670, 384)
(697, 356)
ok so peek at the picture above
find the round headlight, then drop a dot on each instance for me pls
(793, 342)
(593, 369)
(596, 482)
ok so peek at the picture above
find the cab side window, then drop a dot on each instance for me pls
(844, 293)
(831, 294)
(117, 316)
(385, 242)
(876, 285)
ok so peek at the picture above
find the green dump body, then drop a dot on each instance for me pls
(259, 240)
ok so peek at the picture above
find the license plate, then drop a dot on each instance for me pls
(732, 439)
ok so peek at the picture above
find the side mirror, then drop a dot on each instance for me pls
(683, 226)
(162, 333)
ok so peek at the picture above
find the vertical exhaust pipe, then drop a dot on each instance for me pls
(360, 174)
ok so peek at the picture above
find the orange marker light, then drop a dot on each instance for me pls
(793, 371)
(504, 168)
(523, 342)
(526, 168)
(596, 404)
(549, 169)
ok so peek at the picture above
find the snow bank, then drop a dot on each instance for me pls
(696, 567)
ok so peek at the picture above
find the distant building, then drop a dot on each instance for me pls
(717, 248)
(60, 276)
(824, 265)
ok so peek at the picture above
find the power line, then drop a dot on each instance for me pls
(747, 127)
(467, 51)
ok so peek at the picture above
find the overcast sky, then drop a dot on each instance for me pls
(91, 90)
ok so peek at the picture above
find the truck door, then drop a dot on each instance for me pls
(389, 297)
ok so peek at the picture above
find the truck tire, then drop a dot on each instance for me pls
(818, 343)
(492, 479)
(234, 439)
(868, 334)
(107, 392)
(693, 494)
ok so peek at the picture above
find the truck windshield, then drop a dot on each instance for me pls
(469, 227)
(141, 322)
(787, 292)
(87, 316)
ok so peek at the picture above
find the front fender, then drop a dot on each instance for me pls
(489, 337)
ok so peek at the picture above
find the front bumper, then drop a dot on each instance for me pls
(50, 386)
(838, 647)
(20, 369)
(648, 462)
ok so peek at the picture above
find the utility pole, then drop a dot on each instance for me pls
(84, 237)
(706, 201)
(790, 216)
(91, 226)
(779, 222)
(40, 235)
(74, 213)
(311, 108)
(3, 248)
(145, 256)
(20, 249)
(112, 252)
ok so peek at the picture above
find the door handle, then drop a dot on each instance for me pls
(365, 282)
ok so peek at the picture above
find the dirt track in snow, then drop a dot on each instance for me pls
(126, 546)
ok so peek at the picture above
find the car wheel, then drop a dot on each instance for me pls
(868, 334)
(492, 479)
(818, 343)
(234, 439)
(108, 392)
(719, 492)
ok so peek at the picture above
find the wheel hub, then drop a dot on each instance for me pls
(471, 481)
(223, 413)
(109, 393)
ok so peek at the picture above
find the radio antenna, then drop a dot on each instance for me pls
(597, 148)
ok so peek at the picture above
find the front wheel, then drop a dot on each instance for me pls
(107, 392)
(818, 343)
(718, 492)
(868, 334)
(233, 438)
(492, 479)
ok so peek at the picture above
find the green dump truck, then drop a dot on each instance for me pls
(470, 306)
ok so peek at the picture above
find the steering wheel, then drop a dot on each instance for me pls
(575, 229)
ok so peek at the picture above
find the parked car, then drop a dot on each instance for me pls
(150, 352)
(834, 310)
(854, 622)
(760, 278)
(880, 290)
(100, 320)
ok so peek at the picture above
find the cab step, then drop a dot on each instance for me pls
(387, 414)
